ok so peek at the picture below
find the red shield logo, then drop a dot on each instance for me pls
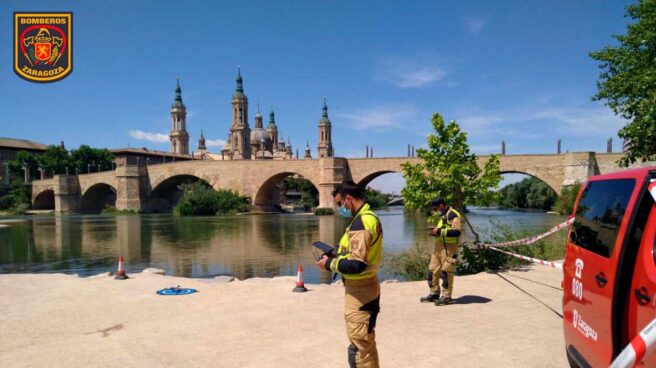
(42, 50)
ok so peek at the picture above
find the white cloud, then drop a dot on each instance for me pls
(582, 121)
(396, 116)
(215, 143)
(474, 124)
(151, 137)
(474, 26)
(409, 74)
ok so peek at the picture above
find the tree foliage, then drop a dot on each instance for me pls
(449, 170)
(565, 203)
(528, 193)
(200, 199)
(57, 160)
(376, 198)
(309, 194)
(14, 196)
(627, 81)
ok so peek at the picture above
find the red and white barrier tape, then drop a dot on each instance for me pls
(533, 239)
(640, 347)
(558, 266)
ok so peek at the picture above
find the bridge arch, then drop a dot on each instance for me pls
(556, 187)
(166, 194)
(44, 200)
(372, 176)
(267, 196)
(98, 197)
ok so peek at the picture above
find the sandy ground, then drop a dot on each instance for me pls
(64, 321)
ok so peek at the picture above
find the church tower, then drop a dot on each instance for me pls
(308, 155)
(240, 133)
(179, 136)
(272, 129)
(201, 142)
(325, 146)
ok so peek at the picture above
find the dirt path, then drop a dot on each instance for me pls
(60, 320)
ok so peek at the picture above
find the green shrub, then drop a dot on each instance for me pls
(201, 200)
(565, 203)
(376, 198)
(111, 210)
(324, 211)
(19, 209)
(410, 264)
(474, 260)
(17, 193)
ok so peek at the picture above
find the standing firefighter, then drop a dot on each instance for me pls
(357, 260)
(443, 260)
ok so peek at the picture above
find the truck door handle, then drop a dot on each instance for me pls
(601, 279)
(642, 296)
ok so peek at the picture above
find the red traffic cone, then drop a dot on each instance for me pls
(120, 274)
(300, 286)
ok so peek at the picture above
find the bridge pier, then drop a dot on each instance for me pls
(128, 187)
(67, 193)
(334, 170)
(578, 167)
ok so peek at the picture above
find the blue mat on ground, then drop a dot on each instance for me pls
(176, 291)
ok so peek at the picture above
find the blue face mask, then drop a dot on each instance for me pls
(345, 212)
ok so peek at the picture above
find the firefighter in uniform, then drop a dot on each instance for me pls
(445, 254)
(357, 260)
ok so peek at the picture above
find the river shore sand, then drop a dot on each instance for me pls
(56, 320)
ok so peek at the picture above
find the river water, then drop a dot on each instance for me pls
(244, 246)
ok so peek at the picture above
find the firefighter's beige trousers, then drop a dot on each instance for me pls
(361, 307)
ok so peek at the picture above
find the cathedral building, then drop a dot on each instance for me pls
(244, 143)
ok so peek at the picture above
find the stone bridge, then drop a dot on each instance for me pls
(154, 188)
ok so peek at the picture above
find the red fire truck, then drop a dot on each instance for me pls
(610, 267)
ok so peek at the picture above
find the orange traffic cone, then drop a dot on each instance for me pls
(120, 274)
(300, 286)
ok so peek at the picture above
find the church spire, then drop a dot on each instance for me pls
(177, 101)
(240, 82)
(325, 109)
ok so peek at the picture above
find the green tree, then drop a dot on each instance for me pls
(199, 199)
(29, 159)
(565, 203)
(528, 193)
(376, 198)
(627, 81)
(98, 159)
(55, 160)
(449, 170)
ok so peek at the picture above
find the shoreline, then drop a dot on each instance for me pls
(261, 322)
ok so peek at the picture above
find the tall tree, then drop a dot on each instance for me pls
(627, 81)
(449, 170)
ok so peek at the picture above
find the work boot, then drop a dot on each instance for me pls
(430, 298)
(445, 300)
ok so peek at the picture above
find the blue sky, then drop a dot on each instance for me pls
(506, 70)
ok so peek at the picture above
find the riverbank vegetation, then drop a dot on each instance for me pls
(376, 199)
(199, 199)
(15, 199)
(564, 204)
(530, 193)
(412, 264)
(298, 191)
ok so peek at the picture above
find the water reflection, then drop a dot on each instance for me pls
(244, 246)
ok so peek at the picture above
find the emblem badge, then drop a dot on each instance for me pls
(43, 46)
